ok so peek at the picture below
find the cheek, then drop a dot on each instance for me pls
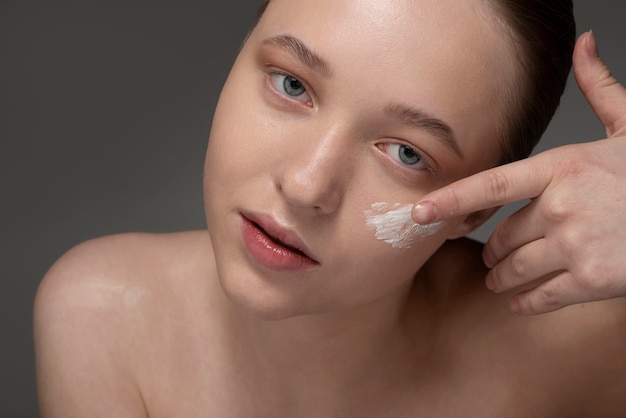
(392, 224)
(400, 248)
(389, 240)
(235, 150)
(379, 270)
(378, 267)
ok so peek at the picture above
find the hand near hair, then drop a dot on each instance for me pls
(573, 233)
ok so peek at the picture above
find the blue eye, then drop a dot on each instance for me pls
(290, 87)
(406, 156)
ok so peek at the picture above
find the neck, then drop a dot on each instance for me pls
(336, 354)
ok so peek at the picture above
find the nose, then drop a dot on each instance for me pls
(315, 170)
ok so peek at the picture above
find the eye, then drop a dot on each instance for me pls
(406, 156)
(290, 87)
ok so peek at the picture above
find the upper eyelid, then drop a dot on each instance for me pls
(429, 163)
(273, 70)
(405, 173)
(423, 157)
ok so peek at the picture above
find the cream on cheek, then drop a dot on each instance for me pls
(393, 224)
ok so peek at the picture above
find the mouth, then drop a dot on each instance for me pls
(279, 242)
(274, 246)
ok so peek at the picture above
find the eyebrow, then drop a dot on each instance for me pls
(298, 49)
(413, 117)
(421, 120)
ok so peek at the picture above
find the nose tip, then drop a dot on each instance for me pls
(313, 188)
(313, 172)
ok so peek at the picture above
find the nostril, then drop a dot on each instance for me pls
(312, 179)
(317, 195)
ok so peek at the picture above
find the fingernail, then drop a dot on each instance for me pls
(592, 45)
(425, 213)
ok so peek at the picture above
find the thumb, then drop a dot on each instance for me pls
(605, 94)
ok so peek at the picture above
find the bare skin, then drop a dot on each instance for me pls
(207, 323)
(135, 325)
(574, 229)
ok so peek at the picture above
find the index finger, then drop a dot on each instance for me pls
(524, 179)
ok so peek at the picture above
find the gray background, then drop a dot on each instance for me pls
(105, 108)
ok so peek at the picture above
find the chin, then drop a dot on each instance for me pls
(262, 301)
(267, 310)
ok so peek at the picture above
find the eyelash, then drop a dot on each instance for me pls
(403, 168)
(283, 95)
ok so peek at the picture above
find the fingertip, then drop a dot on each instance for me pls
(520, 304)
(515, 305)
(591, 46)
(527, 304)
(425, 213)
(585, 51)
(488, 258)
(489, 282)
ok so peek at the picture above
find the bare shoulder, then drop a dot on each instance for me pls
(113, 271)
(586, 345)
(126, 251)
(93, 310)
(576, 354)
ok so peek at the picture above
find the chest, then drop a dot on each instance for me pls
(194, 387)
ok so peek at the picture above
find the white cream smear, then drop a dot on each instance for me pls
(394, 225)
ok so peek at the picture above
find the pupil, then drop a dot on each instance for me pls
(408, 155)
(293, 86)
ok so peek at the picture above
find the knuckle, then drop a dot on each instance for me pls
(519, 264)
(498, 186)
(556, 209)
(503, 235)
(570, 241)
(547, 297)
(527, 304)
(539, 300)
(605, 79)
(585, 272)
(593, 279)
(557, 206)
(453, 202)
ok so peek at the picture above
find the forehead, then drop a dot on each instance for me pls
(449, 56)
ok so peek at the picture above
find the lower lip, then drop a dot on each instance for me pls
(269, 253)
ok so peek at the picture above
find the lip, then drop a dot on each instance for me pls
(274, 246)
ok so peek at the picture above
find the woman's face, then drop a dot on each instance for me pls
(332, 106)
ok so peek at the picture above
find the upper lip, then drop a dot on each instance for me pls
(278, 232)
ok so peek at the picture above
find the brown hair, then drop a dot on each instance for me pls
(544, 32)
(262, 9)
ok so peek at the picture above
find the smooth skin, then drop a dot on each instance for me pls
(129, 326)
(569, 242)
(189, 325)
